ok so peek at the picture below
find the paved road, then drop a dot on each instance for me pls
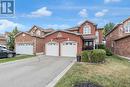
(32, 72)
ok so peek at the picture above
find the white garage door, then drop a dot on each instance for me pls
(24, 49)
(52, 48)
(69, 48)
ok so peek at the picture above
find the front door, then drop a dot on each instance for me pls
(88, 45)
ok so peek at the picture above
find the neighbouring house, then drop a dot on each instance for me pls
(3, 39)
(118, 39)
(68, 42)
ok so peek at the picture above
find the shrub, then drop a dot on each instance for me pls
(85, 55)
(94, 56)
(101, 46)
(108, 52)
(98, 55)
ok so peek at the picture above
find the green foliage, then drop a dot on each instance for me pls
(98, 55)
(85, 55)
(11, 36)
(108, 52)
(108, 27)
(114, 73)
(101, 46)
(94, 56)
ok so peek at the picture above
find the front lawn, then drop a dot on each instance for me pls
(18, 57)
(114, 73)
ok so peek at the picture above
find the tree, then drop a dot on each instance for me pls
(108, 27)
(11, 38)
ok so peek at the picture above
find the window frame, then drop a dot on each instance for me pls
(86, 30)
(127, 27)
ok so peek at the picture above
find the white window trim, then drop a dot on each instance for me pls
(128, 27)
(86, 30)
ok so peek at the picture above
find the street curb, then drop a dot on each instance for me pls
(55, 80)
(124, 57)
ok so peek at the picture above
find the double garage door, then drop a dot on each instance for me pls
(67, 48)
(24, 48)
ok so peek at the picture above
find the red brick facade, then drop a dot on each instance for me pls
(118, 40)
(92, 26)
(39, 37)
(37, 42)
(39, 45)
(122, 46)
(3, 39)
(65, 37)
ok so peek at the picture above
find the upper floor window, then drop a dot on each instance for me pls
(86, 30)
(127, 27)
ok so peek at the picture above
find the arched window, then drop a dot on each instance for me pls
(127, 27)
(86, 30)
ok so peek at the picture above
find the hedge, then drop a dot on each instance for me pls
(94, 56)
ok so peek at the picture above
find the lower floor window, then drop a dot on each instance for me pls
(89, 43)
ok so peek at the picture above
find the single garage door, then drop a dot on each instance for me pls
(69, 48)
(24, 48)
(52, 48)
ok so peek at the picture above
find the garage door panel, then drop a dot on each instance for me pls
(52, 49)
(24, 49)
(69, 49)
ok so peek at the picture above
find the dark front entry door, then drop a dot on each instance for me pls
(88, 45)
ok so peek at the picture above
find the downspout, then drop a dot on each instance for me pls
(35, 45)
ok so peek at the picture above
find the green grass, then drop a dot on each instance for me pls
(114, 73)
(18, 57)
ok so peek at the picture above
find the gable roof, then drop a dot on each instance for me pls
(42, 29)
(88, 22)
(73, 28)
(115, 27)
(21, 33)
(77, 27)
(125, 20)
(122, 37)
(63, 31)
(118, 25)
(27, 34)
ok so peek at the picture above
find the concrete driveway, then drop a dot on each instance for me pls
(32, 72)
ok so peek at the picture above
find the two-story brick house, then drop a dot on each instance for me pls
(118, 39)
(68, 42)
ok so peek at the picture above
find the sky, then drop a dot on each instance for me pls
(62, 14)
